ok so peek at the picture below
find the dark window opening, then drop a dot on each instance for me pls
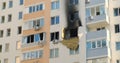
(73, 33)
(19, 30)
(0, 48)
(117, 29)
(32, 38)
(54, 36)
(97, 13)
(41, 36)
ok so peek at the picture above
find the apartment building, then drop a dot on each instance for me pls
(59, 31)
(11, 17)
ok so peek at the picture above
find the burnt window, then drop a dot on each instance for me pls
(54, 36)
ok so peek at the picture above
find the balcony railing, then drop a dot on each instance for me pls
(96, 34)
(95, 19)
(33, 44)
(71, 43)
(94, 2)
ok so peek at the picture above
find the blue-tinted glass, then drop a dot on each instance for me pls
(93, 45)
(76, 1)
(116, 12)
(37, 38)
(57, 5)
(41, 7)
(42, 22)
(98, 43)
(117, 45)
(53, 5)
(87, 12)
(37, 8)
(21, 2)
(88, 45)
(30, 9)
(33, 8)
(20, 15)
(102, 10)
(10, 4)
(57, 20)
(104, 43)
(71, 52)
(52, 20)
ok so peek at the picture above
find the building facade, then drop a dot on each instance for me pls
(59, 31)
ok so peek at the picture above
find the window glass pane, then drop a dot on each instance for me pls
(87, 12)
(71, 52)
(21, 2)
(88, 45)
(56, 52)
(37, 39)
(42, 22)
(102, 10)
(98, 43)
(104, 43)
(97, 10)
(57, 20)
(10, 4)
(52, 20)
(57, 5)
(30, 9)
(115, 11)
(92, 11)
(51, 53)
(93, 44)
(117, 45)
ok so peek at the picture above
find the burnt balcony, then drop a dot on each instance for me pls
(71, 43)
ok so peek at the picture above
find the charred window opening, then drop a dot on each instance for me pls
(71, 33)
(54, 36)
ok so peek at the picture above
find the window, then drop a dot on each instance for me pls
(55, 20)
(88, 45)
(93, 44)
(34, 38)
(9, 17)
(1, 33)
(54, 53)
(19, 30)
(36, 8)
(10, 4)
(17, 59)
(74, 52)
(20, 15)
(6, 60)
(96, 44)
(117, 28)
(18, 45)
(55, 5)
(117, 45)
(3, 5)
(73, 1)
(117, 61)
(54, 36)
(116, 11)
(21, 2)
(8, 32)
(33, 54)
(2, 19)
(6, 47)
(0, 48)
(95, 11)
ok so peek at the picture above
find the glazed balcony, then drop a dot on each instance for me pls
(97, 34)
(97, 20)
(94, 2)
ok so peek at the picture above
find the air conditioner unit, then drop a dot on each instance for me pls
(36, 27)
(91, 17)
(87, 1)
(55, 41)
